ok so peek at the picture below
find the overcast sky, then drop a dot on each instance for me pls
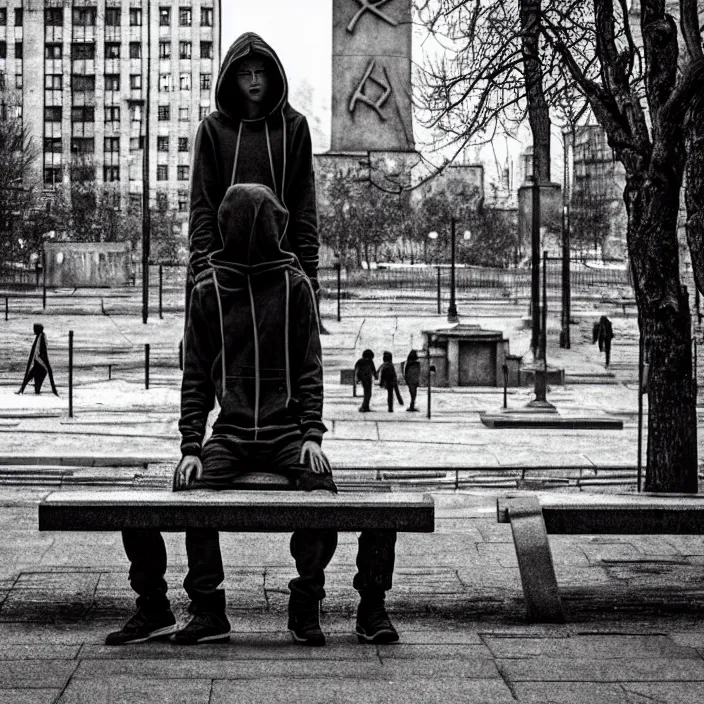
(300, 31)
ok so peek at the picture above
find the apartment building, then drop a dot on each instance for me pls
(79, 74)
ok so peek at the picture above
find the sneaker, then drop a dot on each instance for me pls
(304, 624)
(362, 409)
(203, 627)
(374, 625)
(144, 626)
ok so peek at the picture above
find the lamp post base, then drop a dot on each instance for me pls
(452, 316)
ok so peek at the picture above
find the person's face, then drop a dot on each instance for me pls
(253, 79)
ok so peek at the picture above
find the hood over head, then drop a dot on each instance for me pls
(412, 356)
(387, 357)
(227, 98)
(252, 224)
(368, 354)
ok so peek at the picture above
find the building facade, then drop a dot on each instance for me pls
(79, 73)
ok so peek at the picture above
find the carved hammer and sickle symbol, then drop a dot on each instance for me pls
(359, 96)
(373, 7)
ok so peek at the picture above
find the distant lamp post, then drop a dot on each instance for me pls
(433, 236)
(452, 308)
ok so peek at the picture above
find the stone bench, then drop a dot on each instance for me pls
(532, 517)
(276, 509)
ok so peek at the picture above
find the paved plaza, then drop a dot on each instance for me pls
(634, 603)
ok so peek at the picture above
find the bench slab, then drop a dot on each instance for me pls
(614, 514)
(237, 511)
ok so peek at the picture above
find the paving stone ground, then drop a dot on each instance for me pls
(635, 603)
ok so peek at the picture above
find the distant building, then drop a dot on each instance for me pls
(77, 76)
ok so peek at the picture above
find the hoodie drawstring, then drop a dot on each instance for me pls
(271, 161)
(288, 366)
(256, 358)
(237, 154)
(222, 336)
(283, 172)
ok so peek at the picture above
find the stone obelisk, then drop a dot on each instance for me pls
(371, 89)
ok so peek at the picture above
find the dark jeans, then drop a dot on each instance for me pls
(312, 550)
(413, 391)
(367, 390)
(391, 390)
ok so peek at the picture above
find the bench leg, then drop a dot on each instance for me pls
(535, 561)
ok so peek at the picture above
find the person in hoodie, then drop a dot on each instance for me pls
(389, 380)
(254, 136)
(253, 343)
(364, 372)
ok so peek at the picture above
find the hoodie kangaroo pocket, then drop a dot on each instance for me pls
(273, 396)
(239, 400)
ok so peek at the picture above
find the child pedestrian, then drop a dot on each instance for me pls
(364, 372)
(389, 381)
(38, 365)
(411, 372)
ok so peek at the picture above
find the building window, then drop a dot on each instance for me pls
(84, 17)
(206, 16)
(53, 81)
(83, 145)
(3, 50)
(111, 173)
(136, 143)
(18, 81)
(164, 113)
(3, 16)
(52, 145)
(52, 113)
(162, 172)
(79, 82)
(54, 17)
(18, 50)
(162, 200)
(203, 111)
(112, 144)
(183, 114)
(52, 51)
(135, 50)
(112, 17)
(135, 17)
(205, 81)
(82, 113)
(52, 176)
(164, 50)
(164, 16)
(182, 173)
(112, 50)
(2, 87)
(19, 16)
(184, 16)
(206, 50)
(86, 51)
(112, 81)
(182, 201)
(164, 82)
(184, 50)
(112, 113)
(183, 144)
(184, 81)
(136, 81)
(135, 112)
(162, 144)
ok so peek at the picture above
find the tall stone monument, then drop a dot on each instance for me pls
(372, 120)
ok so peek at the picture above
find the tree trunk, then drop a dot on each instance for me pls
(538, 112)
(694, 188)
(664, 320)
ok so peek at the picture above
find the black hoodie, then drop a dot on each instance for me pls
(253, 322)
(274, 150)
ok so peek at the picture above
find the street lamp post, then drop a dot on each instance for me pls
(535, 265)
(452, 308)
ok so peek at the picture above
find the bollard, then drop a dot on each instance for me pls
(146, 365)
(431, 371)
(161, 290)
(439, 293)
(109, 372)
(70, 373)
(505, 370)
(7, 307)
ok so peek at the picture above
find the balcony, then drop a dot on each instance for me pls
(83, 129)
(54, 66)
(83, 66)
(112, 65)
(83, 34)
(53, 35)
(113, 34)
(53, 98)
